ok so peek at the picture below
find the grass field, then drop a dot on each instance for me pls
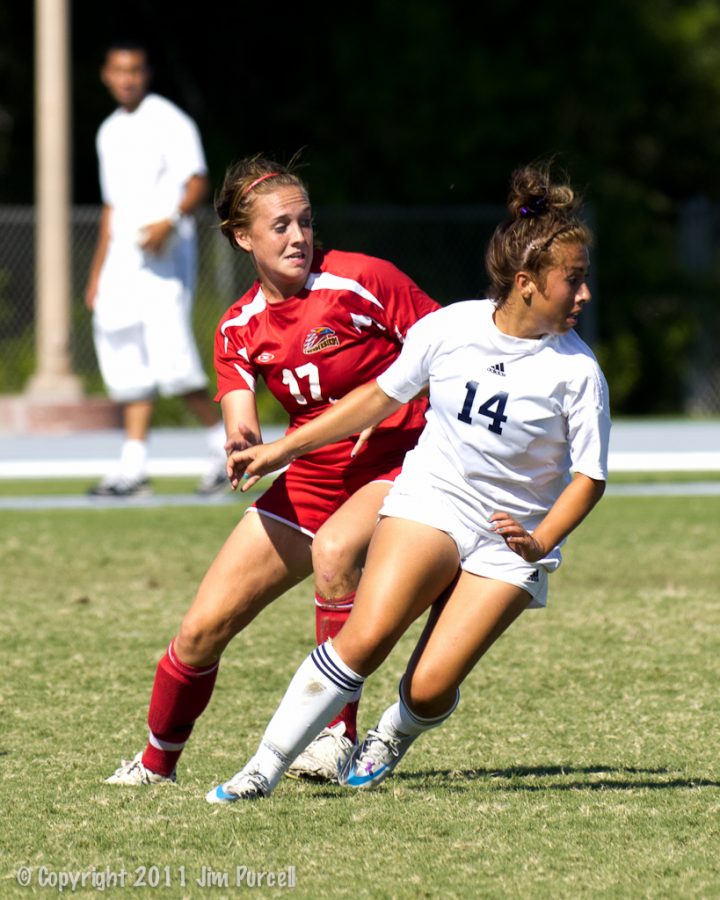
(583, 760)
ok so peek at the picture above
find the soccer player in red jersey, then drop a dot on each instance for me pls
(315, 325)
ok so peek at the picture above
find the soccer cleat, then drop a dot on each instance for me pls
(374, 759)
(133, 772)
(214, 481)
(325, 756)
(243, 786)
(121, 487)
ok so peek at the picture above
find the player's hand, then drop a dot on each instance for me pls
(153, 237)
(363, 438)
(518, 539)
(241, 439)
(251, 464)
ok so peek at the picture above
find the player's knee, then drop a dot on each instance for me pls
(334, 559)
(200, 641)
(330, 549)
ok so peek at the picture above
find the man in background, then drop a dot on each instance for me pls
(153, 176)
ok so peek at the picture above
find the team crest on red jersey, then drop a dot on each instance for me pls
(320, 338)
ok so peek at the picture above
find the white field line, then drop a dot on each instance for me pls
(678, 461)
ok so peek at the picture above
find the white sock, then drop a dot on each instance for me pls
(133, 460)
(318, 691)
(399, 719)
(215, 439)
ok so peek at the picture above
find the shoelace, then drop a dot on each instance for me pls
(331, 735)
(130, 765)
(248, 779)
(373, 752)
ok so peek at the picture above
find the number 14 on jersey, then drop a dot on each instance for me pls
(493, 408)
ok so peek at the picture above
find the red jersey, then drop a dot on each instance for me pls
(343, 328)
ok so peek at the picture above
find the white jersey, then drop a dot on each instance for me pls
(146, 158)
(509, 417)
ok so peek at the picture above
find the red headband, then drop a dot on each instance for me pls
(257, 182)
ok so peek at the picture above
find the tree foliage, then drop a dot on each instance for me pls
(411, 102)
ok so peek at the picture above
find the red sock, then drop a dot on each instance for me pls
(180, 694)
(330, 616)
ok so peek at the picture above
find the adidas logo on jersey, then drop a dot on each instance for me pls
(497, 369)
(534, 576)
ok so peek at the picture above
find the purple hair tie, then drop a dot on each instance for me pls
(535, 207)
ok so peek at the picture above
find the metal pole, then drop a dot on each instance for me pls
(53, 379)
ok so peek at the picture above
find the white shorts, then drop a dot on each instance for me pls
(142, 321)
(158, 355)
(482, 552)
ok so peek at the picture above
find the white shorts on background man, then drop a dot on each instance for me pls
(143, 322)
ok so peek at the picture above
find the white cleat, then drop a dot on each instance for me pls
(374, 759)
(133, 772)
(243, 786)
(325, 756)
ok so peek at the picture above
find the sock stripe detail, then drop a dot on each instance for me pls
(184, 667)
(271, 748)
(333, 672)
(428, 723)
(339, 603)
(167, 746)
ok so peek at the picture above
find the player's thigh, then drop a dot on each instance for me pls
(409, 564)
(342, 542)
(261, 559)
(462, 628)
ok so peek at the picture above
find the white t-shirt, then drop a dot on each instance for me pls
(146, 158)
(508, 418)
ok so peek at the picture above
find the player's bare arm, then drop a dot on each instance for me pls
(568, 511)
(240, 416)
(365, 406)
(366, 433)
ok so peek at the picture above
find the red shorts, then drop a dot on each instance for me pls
(313, 487)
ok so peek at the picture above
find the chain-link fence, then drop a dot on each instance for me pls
(17, 297)
(441, 248)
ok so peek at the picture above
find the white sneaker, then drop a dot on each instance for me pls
(374, 759)
(242, 786)
(133, 772)
(325, 756)
(121, 486)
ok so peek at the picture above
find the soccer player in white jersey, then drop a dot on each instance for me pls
(315, 324)
(140, 288)
(513, 457)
